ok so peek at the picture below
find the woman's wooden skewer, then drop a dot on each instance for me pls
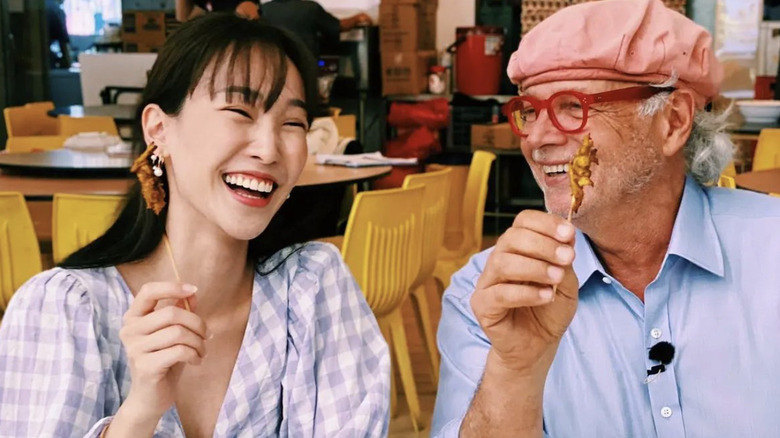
(175, 270)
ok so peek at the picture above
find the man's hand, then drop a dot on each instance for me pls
(248, 10)
(514, 301)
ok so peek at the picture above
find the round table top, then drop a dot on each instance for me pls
(752, 128)
(119, 112)
(35, 186)
(66, 161)
(765, 181)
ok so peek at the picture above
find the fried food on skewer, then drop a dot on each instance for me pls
(579, 173)
(579, 177)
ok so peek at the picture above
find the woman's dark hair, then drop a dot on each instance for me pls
(215, 39)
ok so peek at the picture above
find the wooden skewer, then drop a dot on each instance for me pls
(175, 269)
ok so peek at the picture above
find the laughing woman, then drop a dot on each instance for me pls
(196, 313)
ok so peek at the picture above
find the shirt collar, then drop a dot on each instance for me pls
(693, 237)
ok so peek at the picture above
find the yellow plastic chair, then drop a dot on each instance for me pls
(77, 220)
(727, 181)
(730, 170)
(31, 119)
(20, 256)
(767, 154)
(34, 143)
(437, 193)
(473, 211)
(382, 247)
(453, 230)
(73, 125)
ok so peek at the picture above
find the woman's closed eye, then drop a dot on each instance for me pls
(297, 124)
(240, 111)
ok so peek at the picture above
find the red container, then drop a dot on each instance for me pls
(764, 87)
(478, 59)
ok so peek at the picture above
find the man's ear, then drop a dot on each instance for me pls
(678, 121)
(154, 122)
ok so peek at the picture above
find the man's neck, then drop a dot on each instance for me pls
(631, 240)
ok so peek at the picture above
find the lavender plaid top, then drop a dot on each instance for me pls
(312, 363)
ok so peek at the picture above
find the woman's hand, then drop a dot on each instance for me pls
(159, 337)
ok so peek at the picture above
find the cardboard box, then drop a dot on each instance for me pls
(151, 27)
(406, 72)
(407, 27)
(346, 125)
(140, 47)
(148, 5)
(494, 136)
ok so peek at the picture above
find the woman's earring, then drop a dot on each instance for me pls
(148, 169)
(157, 162)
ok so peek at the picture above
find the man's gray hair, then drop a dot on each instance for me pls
(709, 149)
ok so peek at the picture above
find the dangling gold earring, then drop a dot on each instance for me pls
(148, 168)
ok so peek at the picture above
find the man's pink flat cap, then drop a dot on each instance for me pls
(622, 40)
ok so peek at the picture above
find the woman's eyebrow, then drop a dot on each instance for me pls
(248, 94)
(297, 102)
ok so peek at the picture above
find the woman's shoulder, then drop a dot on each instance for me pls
(67, 290)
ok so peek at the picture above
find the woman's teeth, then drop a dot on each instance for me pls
(249, 183)
(552, 170)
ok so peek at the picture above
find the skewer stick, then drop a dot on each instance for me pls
(175, 269)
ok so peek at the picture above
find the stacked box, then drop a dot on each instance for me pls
(148, 5)
(146, 31)
(494, 136)
(407, 25)
(408, 43)
(406, 72)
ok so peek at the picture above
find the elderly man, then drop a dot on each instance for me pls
(559, 332)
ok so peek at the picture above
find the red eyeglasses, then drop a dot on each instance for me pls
(568, 109)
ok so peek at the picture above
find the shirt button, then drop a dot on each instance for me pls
(655, 333)
(666, 412)
(606, 280)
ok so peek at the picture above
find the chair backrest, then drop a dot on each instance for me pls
(34, 143)
(727, 181)
(110, 94)
(767, 154)
(31, 119)
(730, 170)
(77, 220)
(20, 255)
(474, 199)
(73, 125)
(435, 201)
(382, 244)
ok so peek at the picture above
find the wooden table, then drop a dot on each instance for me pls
(66, 162)
(750, 131)
(122, 113)
(39, 190)
(41, 174)
(765, 181)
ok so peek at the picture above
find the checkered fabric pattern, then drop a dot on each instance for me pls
(313, 362)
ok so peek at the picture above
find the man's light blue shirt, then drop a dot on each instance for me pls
(716, 299)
